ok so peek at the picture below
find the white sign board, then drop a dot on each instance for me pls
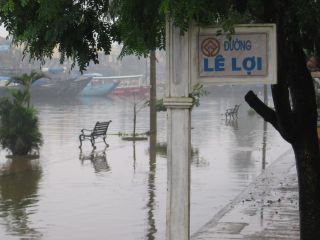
(247, 57)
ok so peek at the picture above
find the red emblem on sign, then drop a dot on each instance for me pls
(210, 47)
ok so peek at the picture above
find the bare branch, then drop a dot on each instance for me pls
(267, 114)
(263, 110)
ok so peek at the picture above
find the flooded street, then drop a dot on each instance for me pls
(120, 193)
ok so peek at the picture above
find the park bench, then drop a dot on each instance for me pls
(232, 112)
(99, 130)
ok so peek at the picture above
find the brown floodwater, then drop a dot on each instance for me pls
(120, 193)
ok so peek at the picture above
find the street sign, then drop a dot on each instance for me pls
(246, 57)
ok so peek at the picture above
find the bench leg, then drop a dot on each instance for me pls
(80, 139)
(92, 143)
(104, 139)
(81, 157)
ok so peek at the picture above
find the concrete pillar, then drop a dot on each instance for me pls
(179, 106)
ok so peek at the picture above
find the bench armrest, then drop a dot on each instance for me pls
(87, 130)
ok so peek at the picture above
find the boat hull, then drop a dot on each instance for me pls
(98, 89)
(65, 88)
(128, 91)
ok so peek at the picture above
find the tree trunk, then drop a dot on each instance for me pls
(153, 94)
(305, 146)
(152, 147)
(303, 137)
(134, 119)
(307, 160)
(295, 118)
(151, 204)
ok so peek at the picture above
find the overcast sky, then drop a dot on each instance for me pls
(3, 32)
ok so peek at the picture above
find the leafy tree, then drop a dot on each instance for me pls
(78, 29)
(140, 25)
(25, 81)
(81, 28)
(19, 127)
(141, 29)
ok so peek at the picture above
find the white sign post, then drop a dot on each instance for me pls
(179, 106)
(200, 56)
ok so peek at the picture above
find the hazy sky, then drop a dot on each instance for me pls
(3, 32)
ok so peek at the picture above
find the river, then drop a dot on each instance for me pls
(120, 193)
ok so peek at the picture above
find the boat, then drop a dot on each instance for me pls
(54, 70)
(59, 88)
(131, 85)
(99, 86)
(56, 83)
(4, 80)
(3, 83)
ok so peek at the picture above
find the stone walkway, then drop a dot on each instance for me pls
(267, 209)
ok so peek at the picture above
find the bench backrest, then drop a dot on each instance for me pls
(100, 128)
(236, 108)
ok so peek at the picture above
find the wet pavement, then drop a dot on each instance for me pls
(267, 209)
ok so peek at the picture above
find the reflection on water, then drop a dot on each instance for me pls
(196, 159)
(97, 158)
(161, 149)
(19, 179)
(134, 155)
(120, 193)
(152, 229)
(264, 145)
(232, 123)
(264, 139)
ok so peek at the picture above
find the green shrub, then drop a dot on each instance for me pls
(159, 106)
(19, 127)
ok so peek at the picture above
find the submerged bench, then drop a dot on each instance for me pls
(99, 130)
(232, 112)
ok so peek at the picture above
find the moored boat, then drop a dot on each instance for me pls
(3, 83)
(56, 83)
(131, 90)
(99, 86)
(131, 85)
(59, 88)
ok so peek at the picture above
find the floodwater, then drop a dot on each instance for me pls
(119, 193)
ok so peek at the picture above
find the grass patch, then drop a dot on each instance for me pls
(134, 138)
